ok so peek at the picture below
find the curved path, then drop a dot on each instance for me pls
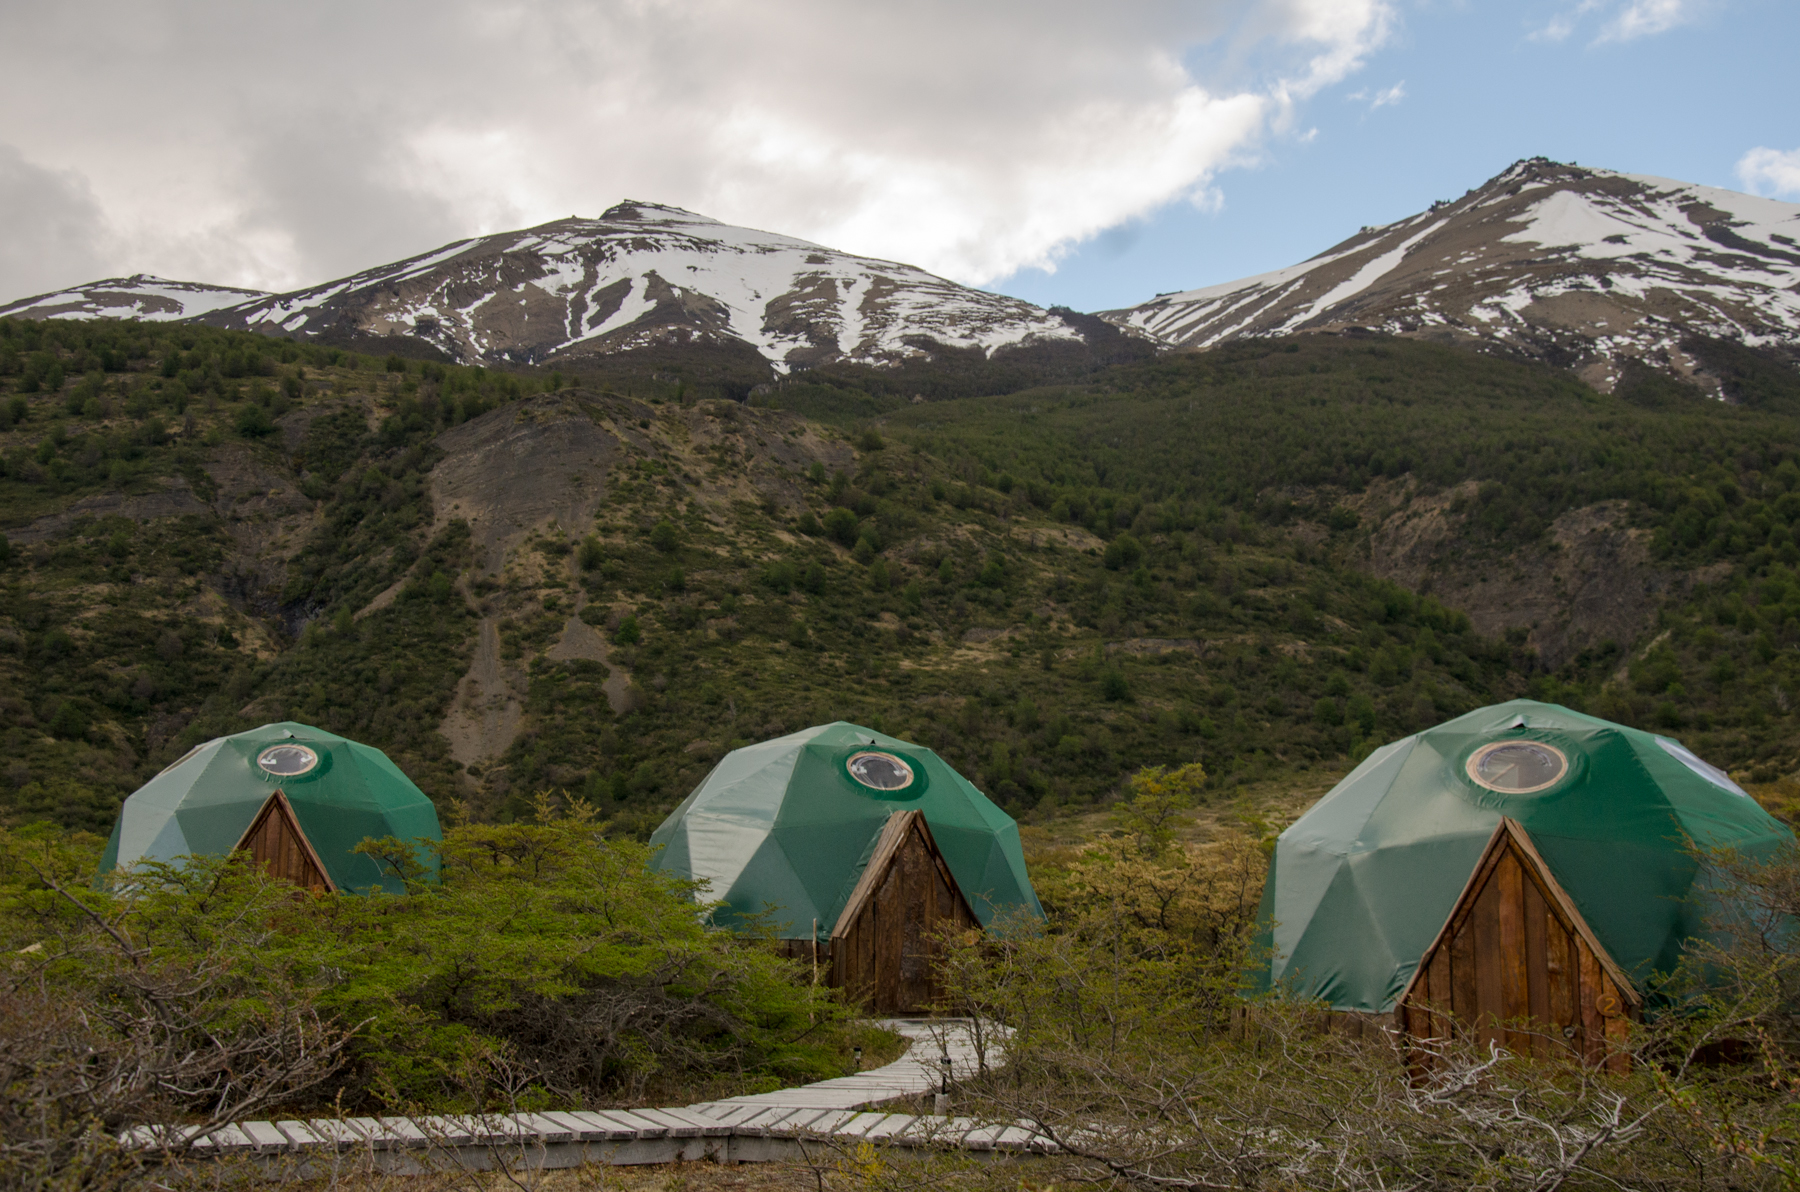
(787, 1124)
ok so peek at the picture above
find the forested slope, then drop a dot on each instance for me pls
(600, 583)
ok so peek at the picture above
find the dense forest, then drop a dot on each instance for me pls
(1052, 581)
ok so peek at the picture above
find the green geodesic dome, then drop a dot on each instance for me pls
(1359, 886)
(787, 823)
(203, 803)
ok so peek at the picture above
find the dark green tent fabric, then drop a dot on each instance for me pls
(782, 823)
(1360, 885)
(203, 803)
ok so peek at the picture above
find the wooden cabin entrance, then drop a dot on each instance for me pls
(276, 840)
(882, 948)
(1517, 964)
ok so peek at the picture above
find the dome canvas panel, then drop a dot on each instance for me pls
(1361, 884)
(346, 793)
(786, 822)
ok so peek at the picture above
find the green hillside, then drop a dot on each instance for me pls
(520, 581)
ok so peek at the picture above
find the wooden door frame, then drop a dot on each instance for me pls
(1510, 831)
(277, 804)
(887, 847)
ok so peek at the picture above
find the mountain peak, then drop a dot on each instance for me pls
(634, 210)
(649, 274)
(1580, 267)
(140, 296)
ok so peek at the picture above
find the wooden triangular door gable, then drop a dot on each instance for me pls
(1517, 963)
(276, 839)
(882, 946)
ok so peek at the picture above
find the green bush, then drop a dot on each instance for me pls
(1123, 553)
(591, 554)
(1113, 686)
(546, 952)
(253, 422)
(841, 524)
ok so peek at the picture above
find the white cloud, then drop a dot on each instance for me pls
(1557, 28)
(1622, 20)
(275, 146)
(1381, 98)
(1645, 18)
(1770, 171)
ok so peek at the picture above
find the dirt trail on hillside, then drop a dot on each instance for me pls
(510, 473)
(484, 717)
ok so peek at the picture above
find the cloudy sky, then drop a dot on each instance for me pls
(1063, 150)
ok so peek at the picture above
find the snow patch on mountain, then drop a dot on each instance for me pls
(1574, 265)
(1364, 277)
(141, 296)
(643, 274)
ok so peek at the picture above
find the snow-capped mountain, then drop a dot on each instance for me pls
(141, 296)
(1581, 267)
(643, 274)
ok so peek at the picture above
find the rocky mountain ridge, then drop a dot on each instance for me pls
(140, 296)
(641, 275)
(1581, 268)
(1615, 276)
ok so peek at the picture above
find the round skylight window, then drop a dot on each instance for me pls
(1517, 767)
(287, 761)
(880, 771)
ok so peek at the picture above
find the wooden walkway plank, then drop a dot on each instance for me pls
(266, 1137)
(602, 1127)
(301, 1135)
(889, 1127)
(228, 1140)
(403, 1131)
(861, 1124)
(729, 1112)
(631, 1119)
(548, 1128)
(815, 1121)
(683, 1124)
(578, 1130)
(752, 1128)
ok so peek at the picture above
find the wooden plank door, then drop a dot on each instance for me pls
(1517, 966)
(884, 949)
(276, 840)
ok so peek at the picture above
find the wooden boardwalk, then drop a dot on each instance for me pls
(796, 1123)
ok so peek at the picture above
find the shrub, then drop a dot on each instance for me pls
(1113, 686)
(253, 422)
(841, 524)
(546, 950)
(1122, 552)
(592, 553)
(779, 577)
